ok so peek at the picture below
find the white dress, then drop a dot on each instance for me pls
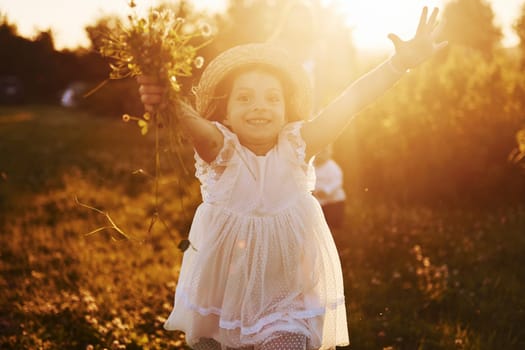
(264, 258)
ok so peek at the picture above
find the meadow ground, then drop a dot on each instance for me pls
(415, 277)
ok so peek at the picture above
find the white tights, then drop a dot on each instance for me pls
(282, 341)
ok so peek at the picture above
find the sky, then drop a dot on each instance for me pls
(67, 18)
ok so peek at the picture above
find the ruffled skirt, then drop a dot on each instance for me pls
(253, 276)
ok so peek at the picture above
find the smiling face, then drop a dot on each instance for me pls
(256, 110)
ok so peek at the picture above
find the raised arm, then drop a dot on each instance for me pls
(332, 120)
(204, 136)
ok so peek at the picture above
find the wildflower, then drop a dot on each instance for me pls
(198, 62)
(143, 125)
(205, 30)
(184, 245)
(174, 83)
(155, 15)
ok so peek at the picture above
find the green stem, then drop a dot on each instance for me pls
(157, 160)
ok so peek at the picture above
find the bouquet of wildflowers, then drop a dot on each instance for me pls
(157, 44)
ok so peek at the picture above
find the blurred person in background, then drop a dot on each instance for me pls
(329, 188)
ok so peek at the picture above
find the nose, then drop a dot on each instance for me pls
(259, 105)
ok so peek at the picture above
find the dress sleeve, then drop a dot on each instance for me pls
(291, 134)
(211, 172)
(292, 143)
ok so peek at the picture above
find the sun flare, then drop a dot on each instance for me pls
(371, 21)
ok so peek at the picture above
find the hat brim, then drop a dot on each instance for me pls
(255, 54)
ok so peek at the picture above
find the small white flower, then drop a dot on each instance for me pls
(205, 29)
(198, 62)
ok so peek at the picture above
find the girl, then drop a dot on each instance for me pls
(265, 273)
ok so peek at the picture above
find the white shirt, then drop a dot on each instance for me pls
(329, 180)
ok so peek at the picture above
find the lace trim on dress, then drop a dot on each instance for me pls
(292, 132)
(210, 173)
(302, 314)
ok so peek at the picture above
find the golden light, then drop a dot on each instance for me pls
(67, 18)
(373, 20)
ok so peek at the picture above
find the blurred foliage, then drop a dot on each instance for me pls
(470, 23)
(442, 135)
(43, 71)
(519, 28)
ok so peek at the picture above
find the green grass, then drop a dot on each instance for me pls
(416, 278)
(423, 279)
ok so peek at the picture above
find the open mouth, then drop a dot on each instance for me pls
(259, 121)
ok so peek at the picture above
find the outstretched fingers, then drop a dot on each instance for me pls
(422, 20)
(432, 21)
(440, 46)
(438, 29)
(395, 40)
(435, 35)
(431, 28)
(427, 25)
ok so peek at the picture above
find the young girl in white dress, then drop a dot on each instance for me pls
(265, 273)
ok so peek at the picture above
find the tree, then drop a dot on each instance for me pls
(7, 29)
(470, 23)
(519, 27)
(30, 61)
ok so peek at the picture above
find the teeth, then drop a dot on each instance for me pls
(258, 121)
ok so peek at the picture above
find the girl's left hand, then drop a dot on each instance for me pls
(413, 52)
(152, 94)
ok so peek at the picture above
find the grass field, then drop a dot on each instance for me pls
(416, 278)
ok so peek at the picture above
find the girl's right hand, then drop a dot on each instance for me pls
(151, 92)
(413, 52)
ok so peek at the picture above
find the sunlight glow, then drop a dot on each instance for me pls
(68, 18)
(371, 20)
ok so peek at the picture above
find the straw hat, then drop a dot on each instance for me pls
(254, 54)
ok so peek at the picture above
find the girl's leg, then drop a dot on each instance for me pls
(212, 344)
(207, 344)
(286, 341)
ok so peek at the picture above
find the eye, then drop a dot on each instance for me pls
(274, 98)
(243, 97)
